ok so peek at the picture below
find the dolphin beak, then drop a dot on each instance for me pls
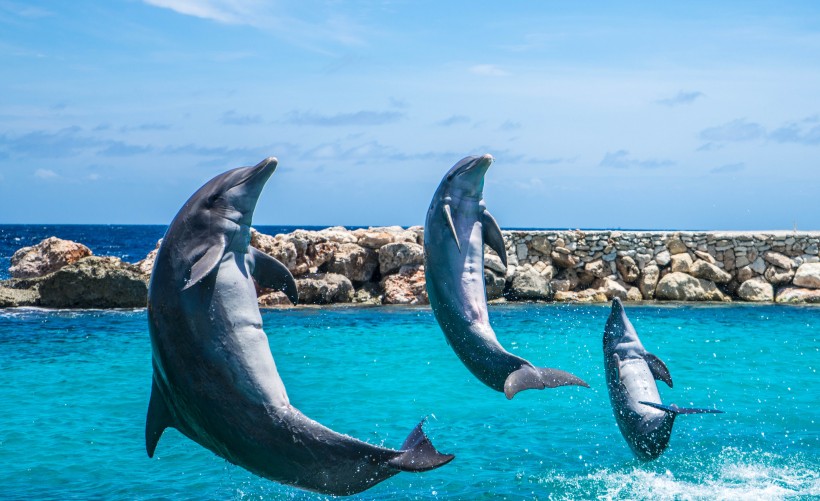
(483, 163)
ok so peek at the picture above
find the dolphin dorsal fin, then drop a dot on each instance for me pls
(492, 235)
(206, 263)
(449, 215)
(658, 368)
(159, 418)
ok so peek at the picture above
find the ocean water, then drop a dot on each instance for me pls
(75, 386)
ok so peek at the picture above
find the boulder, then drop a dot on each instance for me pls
(675, 246)
(634, 294)
(393, 256)
(584, 296)
(354, 261)
(597, 269)
(627, 268)
(681, 262)
(649, 281)
(705, 256)
(778, 276)
(563, 258)
(610, 287)
(47, 256)
(95, 282)
(540, 244)
(494, 284)
(679, 286)
(406, 287)
(529, 284)
(324, 288)
(708, 271)
(758, 266)
(745, 273)
(566, 280)
(374, 238)
(797, 295)
(281, 248)
(146, 265)
(273, 299)
(14, 298)
(808, 276)
(756, 290)
(777, 259)
(663, 258)
(493, 262)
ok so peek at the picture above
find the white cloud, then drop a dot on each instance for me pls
(46, 174)
(488, 70)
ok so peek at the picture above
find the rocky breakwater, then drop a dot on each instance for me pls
(385, 265)
(62, 274)
(593, 266)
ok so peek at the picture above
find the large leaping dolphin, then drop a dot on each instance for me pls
(631, 371)
(214, 376)
(457, 227)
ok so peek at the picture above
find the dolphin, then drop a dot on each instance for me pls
(214, 376)
(458, 225)
(630, 372)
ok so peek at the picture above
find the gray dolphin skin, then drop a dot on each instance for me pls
(630, 372)
(215, 379)
(455, 231)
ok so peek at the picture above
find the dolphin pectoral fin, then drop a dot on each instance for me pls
(418, 454)
(674, 409)
(206, 264)
(658, 368)
(537, 378)
(157, 420)
(449, 215)
(271, 274)
(492, 235)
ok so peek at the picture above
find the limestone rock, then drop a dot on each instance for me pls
(745, 273)
(708, 271)
(374, 238)
(47, 256)
(675, 246)
(324, 288)
(778, 260)
(681, 262)
(778, 276)
(273, 299)
(627, 268)
(565, 281)
(610, 287)
(493, 262)
(705, 256)
(807, 275)
(563, 258)
(146, 265)
(394, 256)
(756, 289)
(14, 298)
(94, 282)
(406, 287)
(494, 283)
(529, 284)
(634, 294)
(798, 295)
(663, 258)
(679, 286)
(649, 281)
(540, 244)
(354, 261)
(597, 269)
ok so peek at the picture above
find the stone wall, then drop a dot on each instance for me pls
(385, 265)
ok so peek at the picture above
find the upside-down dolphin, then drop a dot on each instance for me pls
(214, 376)
(458, 225)
(631, 371)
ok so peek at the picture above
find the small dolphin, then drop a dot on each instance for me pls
(214, 376)
(631, 371)
(457, 227)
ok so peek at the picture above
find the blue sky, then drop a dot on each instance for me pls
(636, 115)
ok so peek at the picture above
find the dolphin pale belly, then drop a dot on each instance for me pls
(631, 371)
(215, 379)
(456, 229)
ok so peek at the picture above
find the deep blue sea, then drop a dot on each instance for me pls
(75, 387)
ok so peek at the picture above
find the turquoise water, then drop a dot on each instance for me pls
(76, 384)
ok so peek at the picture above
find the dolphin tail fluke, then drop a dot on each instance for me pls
(418, 453)
(157, 420)
(674, 409)
(537, 378)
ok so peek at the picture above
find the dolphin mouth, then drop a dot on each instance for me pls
(265, 169)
